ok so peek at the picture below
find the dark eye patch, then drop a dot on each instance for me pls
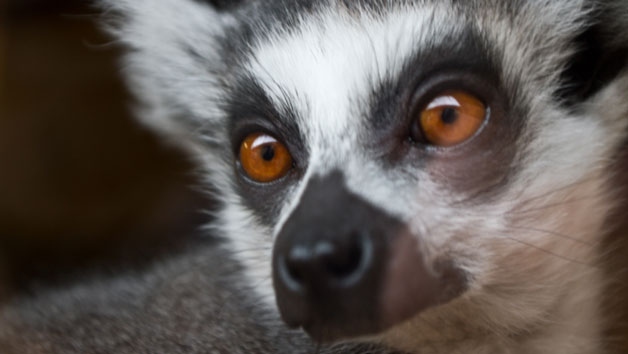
(457, 55)
(463, 61)
(594, 64)
(250, 110)
(223, 5)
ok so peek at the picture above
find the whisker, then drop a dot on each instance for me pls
(555, 233)
(556, 190)
(551, 205)
(549, 252)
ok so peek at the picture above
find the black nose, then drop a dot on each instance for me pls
(328, 262)
(325, 263)
(342, 267)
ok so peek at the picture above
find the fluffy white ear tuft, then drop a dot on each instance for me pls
(172, 58)
(142, 23)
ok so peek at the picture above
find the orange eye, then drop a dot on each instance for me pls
(263, 158)
(451, 118)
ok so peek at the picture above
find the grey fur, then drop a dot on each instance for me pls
(191, 303)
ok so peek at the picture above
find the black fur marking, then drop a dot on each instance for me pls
(248, 105)
(593, 66)
(223, 5)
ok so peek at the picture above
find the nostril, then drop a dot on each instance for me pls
(351, 261)
(296, 269)
(345, 262)
(293, 269)
(296, 274)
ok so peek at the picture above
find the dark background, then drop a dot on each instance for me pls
(82, 186)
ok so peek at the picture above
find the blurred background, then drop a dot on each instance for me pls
(80, 183)
(82, 186)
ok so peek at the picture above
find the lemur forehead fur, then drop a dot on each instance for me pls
(490, 245)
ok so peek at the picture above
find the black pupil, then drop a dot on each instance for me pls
(268, 152)
(449, 115)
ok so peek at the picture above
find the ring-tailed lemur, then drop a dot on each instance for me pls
(428, 176)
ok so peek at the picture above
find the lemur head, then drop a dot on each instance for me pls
(384, 165)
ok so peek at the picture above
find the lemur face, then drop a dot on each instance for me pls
(385, 165)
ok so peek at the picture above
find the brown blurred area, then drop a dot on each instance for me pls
(80, 182)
